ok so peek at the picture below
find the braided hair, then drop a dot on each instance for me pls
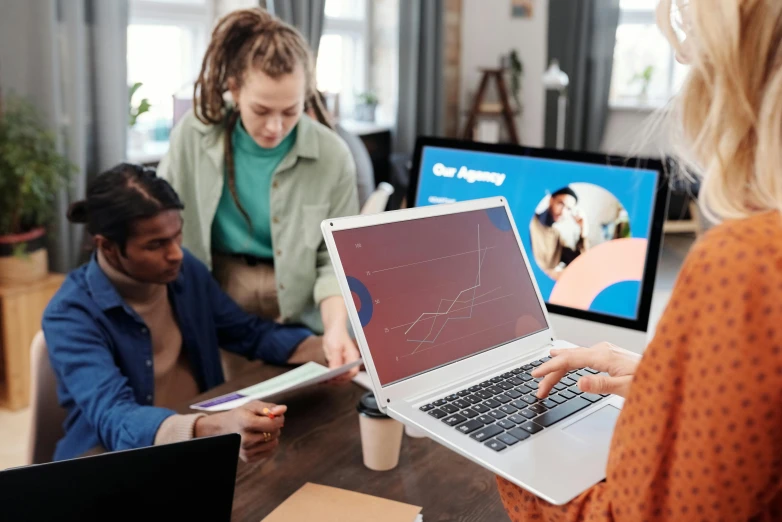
(243, 39)
(119, 197)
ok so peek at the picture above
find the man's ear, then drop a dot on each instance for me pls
(109, 248)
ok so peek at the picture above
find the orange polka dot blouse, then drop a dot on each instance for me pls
(700, 436)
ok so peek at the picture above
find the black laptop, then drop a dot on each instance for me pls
(192, 480)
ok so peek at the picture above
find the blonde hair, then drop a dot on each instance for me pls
(244, 39)
(728, 115)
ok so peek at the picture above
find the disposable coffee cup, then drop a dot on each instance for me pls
(381, 436)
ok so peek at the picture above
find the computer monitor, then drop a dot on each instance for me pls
(591, 224)
(190, 480)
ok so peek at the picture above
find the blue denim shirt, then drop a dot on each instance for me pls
(101, 351)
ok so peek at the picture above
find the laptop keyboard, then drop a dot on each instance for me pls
(503, 410)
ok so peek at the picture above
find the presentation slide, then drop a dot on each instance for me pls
(584, 226)
(432, 291)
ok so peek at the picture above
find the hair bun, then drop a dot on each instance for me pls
(77, 212)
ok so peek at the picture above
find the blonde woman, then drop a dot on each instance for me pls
(257, 177)
(699, 436)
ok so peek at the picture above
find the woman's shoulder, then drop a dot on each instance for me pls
(190, 128)
(751, 246)
(758, 231)
(329, 144)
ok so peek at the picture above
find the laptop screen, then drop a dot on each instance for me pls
(435, 290)
(586, 225)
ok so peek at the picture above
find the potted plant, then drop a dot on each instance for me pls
(366, 106)
(645, 77)
(136, 137)
(31, 174)
(516, 72)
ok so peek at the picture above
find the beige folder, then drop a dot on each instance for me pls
(326, 504)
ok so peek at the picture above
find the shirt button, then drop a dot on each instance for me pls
(275, 184)
(149, 363)
(149, 398)
(282, 286)
(279, 253)
(275, 220)
(144, 330)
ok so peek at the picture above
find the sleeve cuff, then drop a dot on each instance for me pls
(326, 286)
(177, 428)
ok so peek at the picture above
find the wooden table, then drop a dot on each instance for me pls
(321, 443)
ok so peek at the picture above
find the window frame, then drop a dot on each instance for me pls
(360, 30)
(636, 16)
(197, 18)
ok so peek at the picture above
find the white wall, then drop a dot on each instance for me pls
(635, 132)
(488, 31)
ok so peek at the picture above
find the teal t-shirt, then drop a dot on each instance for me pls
(254, 167)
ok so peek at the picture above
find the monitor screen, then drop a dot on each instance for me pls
(586, 225)
(432, 291)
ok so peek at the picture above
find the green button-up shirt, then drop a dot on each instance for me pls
(316, 180)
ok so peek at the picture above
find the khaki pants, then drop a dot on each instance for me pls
(254, 289)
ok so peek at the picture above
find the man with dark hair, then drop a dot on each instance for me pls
(550, 249)
(136, 331)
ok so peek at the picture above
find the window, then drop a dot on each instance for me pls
(166, 43)
(343, 54)
(645, 71)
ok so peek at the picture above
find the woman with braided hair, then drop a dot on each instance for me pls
(257, 177)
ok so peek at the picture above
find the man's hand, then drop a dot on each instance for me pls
(581, 221)
(310, 349)
(260, 433)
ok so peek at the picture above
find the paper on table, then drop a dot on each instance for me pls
(327, 504)
(305, 375)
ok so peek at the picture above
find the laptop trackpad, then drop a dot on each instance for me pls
(598, 426)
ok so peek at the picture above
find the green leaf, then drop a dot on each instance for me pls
(132, 90)
(368, 98)
(143, 106)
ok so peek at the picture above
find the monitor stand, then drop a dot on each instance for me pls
(589, 333)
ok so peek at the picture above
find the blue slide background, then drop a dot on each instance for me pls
(527, 182)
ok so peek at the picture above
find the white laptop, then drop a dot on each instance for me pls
(450, 324)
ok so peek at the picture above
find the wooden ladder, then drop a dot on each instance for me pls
(504, 109)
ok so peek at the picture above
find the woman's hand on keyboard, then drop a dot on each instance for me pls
(619, 364)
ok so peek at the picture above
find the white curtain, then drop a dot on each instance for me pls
(69, 58)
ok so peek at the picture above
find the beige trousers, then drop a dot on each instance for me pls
(254, 289)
